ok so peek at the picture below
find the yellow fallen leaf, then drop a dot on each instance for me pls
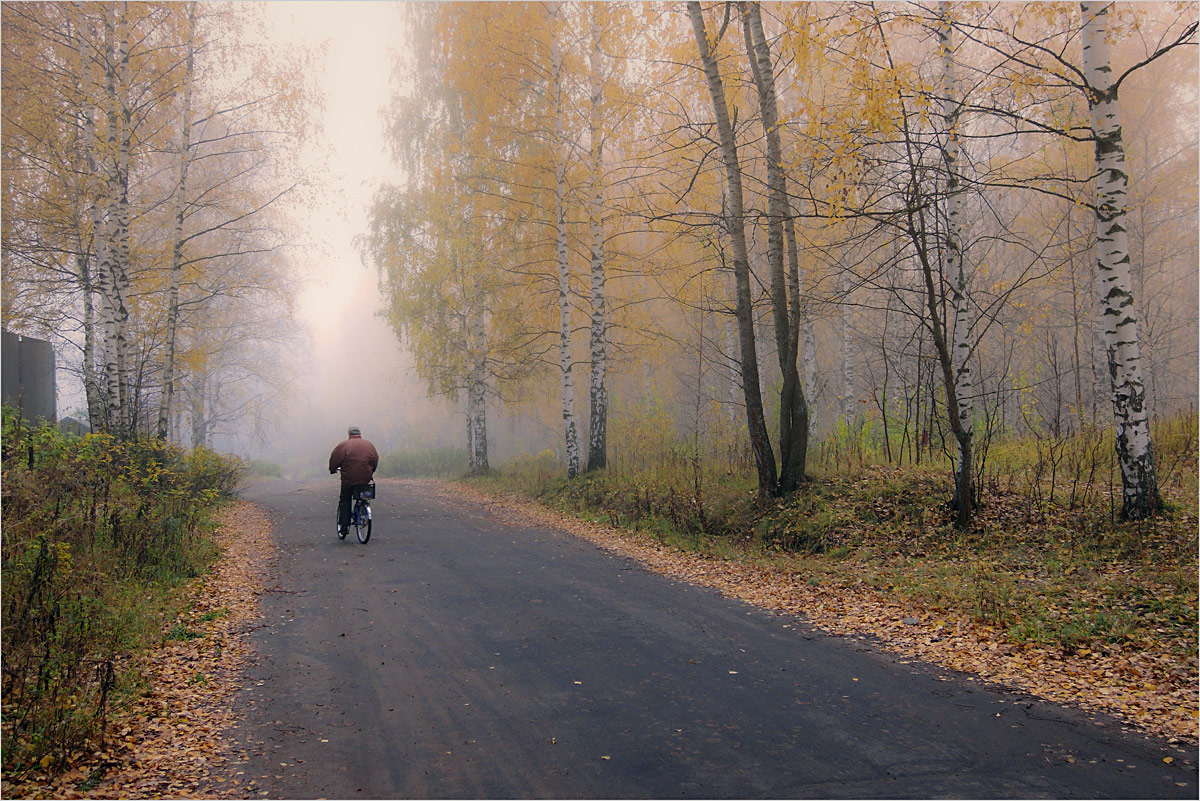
(1168, 760)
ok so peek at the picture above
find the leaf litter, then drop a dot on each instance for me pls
(177, 740)
(174, 738)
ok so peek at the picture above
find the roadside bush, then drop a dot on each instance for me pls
(423, 463)
(1046, 560)
(96, 534)
(261, 468)
(533, 474)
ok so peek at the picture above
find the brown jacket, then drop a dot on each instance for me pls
(357, 458)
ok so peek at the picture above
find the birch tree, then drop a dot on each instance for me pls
(954, 266)
(1047, 63)
(558, 101)
(760, 442)
(112, 230)
(598, 389)
(179, 197)
(110, 81)
(781, 236)
(1118, 310)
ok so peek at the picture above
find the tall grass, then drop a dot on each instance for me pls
(423, 463)
(96, 534)
(1047, 537)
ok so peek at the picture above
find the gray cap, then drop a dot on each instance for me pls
(354, 430)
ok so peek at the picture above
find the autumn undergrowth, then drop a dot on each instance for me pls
(432, 462)
(99, 536)
(1047, 560)
(262, 468)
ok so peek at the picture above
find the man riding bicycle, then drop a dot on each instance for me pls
(357, 459)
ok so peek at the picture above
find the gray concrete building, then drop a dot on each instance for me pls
(27, 376)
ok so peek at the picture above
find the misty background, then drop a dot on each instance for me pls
(343, 364)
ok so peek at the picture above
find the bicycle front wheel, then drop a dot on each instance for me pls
(362, 522)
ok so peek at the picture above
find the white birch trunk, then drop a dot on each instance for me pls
(110, 279)
(479, 424)
(810, 365)
(954, 266)
(180, 207)
(849, 400)
(598, 394)
(478, 418)
(91, 381)
(1101, 386)
(732, 364)
(84, 254)
(469, 418)
(564, 277)
(478, 393)
(1119, 313)
(120, 231)
(198, 411)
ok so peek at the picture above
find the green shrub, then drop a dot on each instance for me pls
(96, 533)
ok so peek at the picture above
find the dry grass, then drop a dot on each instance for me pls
(173, 739)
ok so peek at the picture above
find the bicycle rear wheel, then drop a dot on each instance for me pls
(362, 521)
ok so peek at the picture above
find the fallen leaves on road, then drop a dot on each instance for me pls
(1148, 691)
(173, 740)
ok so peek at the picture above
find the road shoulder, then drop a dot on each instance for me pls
(175, 739)
(1078, 680)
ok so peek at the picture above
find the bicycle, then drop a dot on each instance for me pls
(360, 512)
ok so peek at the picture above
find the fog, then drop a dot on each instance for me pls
(351, 372)
(348, 367)
(343, 365)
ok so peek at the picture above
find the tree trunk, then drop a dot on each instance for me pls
(84, 254)
(91, 382)
(760, 442)
(1119, 313)
(185, 141)
(564, 276)
(793, 407)
(478, 419)
(598, 394)
(849, 408)
(963, 479)
(477, 391)
(954, 266)
(469, 418)
(199, 404)
(113, 276)
(811, 375)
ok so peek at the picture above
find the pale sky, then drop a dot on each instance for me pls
(356, 84)
(359, 36)
(358, 373)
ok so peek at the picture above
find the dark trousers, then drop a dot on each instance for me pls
(344, 499)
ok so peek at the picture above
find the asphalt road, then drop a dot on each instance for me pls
(459, 656)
